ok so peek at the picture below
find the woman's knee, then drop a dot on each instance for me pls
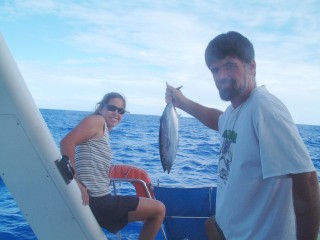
(151, 208)
(162, 209)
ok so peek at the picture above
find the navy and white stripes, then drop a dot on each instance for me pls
(92, 162)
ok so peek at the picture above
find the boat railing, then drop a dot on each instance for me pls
(138, 178)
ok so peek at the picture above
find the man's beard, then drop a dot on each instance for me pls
(229, 90)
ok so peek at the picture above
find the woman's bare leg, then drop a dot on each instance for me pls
(151, 212)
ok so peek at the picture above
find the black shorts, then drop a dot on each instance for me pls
(111, 211)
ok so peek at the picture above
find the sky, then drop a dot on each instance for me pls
(70, 53)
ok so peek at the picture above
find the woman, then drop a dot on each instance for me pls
(88, 148)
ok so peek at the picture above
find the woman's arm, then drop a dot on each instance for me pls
(89, 127)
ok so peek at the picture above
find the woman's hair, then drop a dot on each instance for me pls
(106, 99)
(231, 44)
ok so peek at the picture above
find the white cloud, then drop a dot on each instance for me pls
(95, 46)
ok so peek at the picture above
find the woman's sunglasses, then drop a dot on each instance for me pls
(113, 108)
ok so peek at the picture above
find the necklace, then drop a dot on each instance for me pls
(239, 108)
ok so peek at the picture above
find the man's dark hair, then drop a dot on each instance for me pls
(231, 44)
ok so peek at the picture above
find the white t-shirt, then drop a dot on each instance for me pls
(260, 147)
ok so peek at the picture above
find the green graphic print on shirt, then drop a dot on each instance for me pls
(226, 153)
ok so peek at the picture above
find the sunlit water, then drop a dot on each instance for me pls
(135, 142)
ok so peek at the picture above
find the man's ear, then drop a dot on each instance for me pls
(253, 67)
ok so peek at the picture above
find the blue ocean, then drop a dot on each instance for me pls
(135, 142)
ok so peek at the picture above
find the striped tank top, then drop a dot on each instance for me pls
(92, 162)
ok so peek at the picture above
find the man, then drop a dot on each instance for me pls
(267, 184)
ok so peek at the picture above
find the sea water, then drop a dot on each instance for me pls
(135, 141)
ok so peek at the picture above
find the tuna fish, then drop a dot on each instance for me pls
(168, 137)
